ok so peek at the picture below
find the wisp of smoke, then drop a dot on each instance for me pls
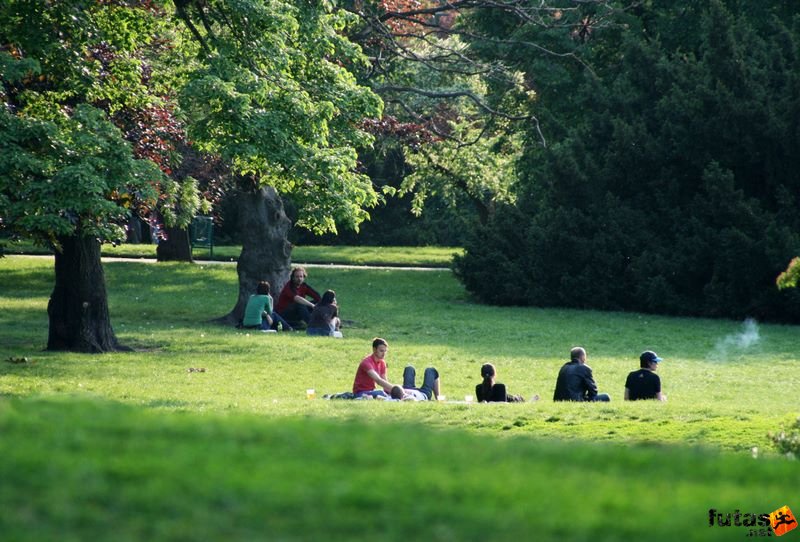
(737, 342)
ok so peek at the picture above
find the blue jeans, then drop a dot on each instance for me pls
(410, 377)
(276, 318)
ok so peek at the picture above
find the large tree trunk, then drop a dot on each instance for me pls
(78, 307)
(176, 247)
(266, 251)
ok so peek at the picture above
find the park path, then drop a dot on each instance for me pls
(219, 262)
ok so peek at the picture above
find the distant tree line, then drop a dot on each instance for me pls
(669, 182)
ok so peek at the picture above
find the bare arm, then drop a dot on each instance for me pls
(382, 382)
(303, 301)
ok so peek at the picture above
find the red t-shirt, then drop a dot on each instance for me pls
(287, 295)
(363, 382)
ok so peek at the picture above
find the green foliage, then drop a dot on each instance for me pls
(670, 184)
(788, 443)
(790, 278)
(272, 96)
(67, 170)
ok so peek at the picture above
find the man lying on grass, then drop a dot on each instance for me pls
(408, 392)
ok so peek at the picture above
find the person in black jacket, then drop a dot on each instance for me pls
(575, 381)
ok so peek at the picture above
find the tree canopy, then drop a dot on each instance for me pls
(669, 183)
(70, 73)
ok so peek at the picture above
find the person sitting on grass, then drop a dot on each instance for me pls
(409, 392)
(324, 318)
(575, 381)
(645, 383)
(372, 371)
(490, 391)
(293, 304)
(258, 313)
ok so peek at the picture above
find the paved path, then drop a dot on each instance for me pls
(219, 262)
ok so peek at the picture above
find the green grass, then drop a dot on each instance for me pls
(135, 445)
(341, 255)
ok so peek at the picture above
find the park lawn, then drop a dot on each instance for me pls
(319, 255)
(89, 469)
(245, 422)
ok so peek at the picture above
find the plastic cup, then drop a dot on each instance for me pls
(311, 393)
(442, 398)
(468, 398)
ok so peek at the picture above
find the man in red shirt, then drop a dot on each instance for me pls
(293, 304)
(372, 371)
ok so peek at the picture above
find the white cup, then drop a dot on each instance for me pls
(468, 398)
(311, 393)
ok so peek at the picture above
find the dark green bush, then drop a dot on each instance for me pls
(673, 187)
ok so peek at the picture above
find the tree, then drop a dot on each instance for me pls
(790, 278)
(669, 181)
(68, 177)
(273, 97)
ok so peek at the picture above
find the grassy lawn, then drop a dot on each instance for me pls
(342, 255)
(132, 446)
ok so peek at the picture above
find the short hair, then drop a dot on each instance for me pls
(262, 288)
(377, 341)
(577, 352)
(397, 392)
(296, 269)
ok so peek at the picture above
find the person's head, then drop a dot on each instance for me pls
(649, 360)
(397, 392)
(379, 347)
(578, 353)
(298, 276)
(328, 297)
(488, 373)
(262, 288)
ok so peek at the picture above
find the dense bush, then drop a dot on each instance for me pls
(672, 186)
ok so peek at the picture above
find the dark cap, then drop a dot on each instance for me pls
(649, 356)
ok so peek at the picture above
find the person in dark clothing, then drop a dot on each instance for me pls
(645, 383)
(490, 391)
(575, 381)
(324, 318)
(293, 304)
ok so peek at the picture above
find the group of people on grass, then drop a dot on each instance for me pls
(299, 307)
(574, 383)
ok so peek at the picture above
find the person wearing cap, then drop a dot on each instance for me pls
(645, 383)
(575, 381)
